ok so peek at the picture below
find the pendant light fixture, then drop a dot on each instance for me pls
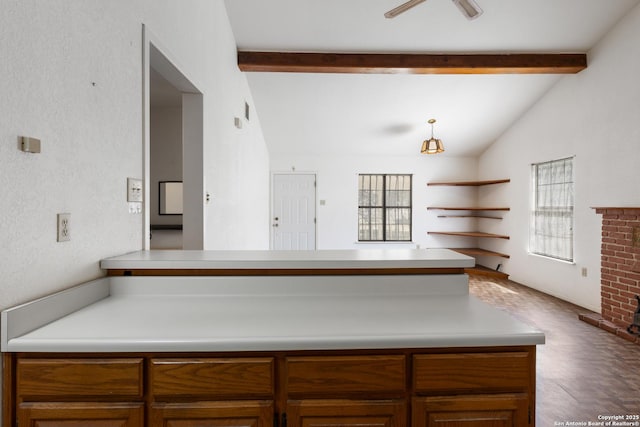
(432, 145)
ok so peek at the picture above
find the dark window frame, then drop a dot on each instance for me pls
(385, 207)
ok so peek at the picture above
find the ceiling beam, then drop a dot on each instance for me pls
(375, 63)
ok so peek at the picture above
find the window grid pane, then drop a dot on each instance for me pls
(384, 207)
(552, 213)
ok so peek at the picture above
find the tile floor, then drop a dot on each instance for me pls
(583, 372)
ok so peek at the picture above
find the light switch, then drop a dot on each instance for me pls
(134, 190)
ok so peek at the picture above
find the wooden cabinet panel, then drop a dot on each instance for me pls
(507, 410)
(339, 375)
(63, 414)
(79, 378)
(213, 414)
(212, 378)
(449, 388)
(345, 413)
(469, 372)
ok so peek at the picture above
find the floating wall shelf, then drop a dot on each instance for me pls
(479, 251)
(470, 234)
(470, 183)
(469, 216)
(473, 212)
(452, 208)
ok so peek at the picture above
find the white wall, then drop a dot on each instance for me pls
(71, 75)
(594, 116)
(166, 156)
(235, 161)
(337, 185)
(237, 165)
(166, 165)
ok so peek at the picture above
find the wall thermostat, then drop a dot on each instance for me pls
(29, 145)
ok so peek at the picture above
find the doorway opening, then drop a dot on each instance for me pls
(173, 150)
(165, 171)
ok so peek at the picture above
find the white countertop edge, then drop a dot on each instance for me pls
(284, 344)
(266, 259)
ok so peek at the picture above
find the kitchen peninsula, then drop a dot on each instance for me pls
(373, 339)
(321, 262)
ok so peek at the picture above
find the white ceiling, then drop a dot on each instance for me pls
(387, 114)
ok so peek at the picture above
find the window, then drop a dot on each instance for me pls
(551, 231)
(384, 208)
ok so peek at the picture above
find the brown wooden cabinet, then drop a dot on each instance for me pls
(241, 413)
(346, 412)
(350, 390)
(502, 410)
(475, 387)
(331, 376)
(68, 392)
(212, 392)
(80, 378)
(488, 389)
(211, 378)
(85, 414)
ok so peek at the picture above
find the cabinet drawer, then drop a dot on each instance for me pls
(509, 371)
(212, 378)
(80, 378)
(347, 374)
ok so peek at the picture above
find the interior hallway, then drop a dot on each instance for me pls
(582, 371)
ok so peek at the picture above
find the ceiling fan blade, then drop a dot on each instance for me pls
(469, 8)
(402, 8)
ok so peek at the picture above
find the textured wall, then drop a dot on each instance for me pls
(593, 116)
(71, 75)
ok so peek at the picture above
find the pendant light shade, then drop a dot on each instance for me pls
(432, 145)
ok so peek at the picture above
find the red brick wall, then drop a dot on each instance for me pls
(620, 268)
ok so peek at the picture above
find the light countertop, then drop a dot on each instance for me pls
(320, 259)
(179, 314)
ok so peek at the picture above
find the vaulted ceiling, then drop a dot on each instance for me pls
(316, 113)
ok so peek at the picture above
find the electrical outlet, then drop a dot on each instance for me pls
(584, 271)
(64, 227)
(134, 190)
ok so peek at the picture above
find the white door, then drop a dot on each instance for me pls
(293, 216)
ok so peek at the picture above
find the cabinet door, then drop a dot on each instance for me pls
(508, 410)
(64, 414)
(213, 414)
(344, 413)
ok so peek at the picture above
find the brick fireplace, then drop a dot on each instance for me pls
(620, 269)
